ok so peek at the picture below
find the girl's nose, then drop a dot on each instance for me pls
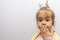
(43, 22)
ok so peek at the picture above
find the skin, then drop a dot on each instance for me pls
(44, 22)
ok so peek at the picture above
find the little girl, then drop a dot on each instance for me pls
(45, 21)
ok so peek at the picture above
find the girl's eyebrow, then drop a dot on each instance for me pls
(47, 17)
(39, 17)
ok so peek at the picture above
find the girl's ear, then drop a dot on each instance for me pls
(53, 23)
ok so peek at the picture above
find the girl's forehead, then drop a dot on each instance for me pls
(44, 14)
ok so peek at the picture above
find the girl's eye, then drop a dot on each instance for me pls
(40, 20)
(47, 20)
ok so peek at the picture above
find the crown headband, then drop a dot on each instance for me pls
(46, 5)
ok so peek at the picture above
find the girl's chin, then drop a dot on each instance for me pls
(49, 27)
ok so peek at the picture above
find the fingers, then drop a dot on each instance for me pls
(44, 29)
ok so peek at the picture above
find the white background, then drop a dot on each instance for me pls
(17, 18)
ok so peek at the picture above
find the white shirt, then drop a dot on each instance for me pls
(40, 38)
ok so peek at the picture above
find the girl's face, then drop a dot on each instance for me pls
(44, 19)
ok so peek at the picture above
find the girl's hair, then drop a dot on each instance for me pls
(48, 9)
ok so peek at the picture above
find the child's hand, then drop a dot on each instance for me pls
(45, 32)
(44, 29)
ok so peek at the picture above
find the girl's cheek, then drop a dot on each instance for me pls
(39, 24)
(49, 25)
